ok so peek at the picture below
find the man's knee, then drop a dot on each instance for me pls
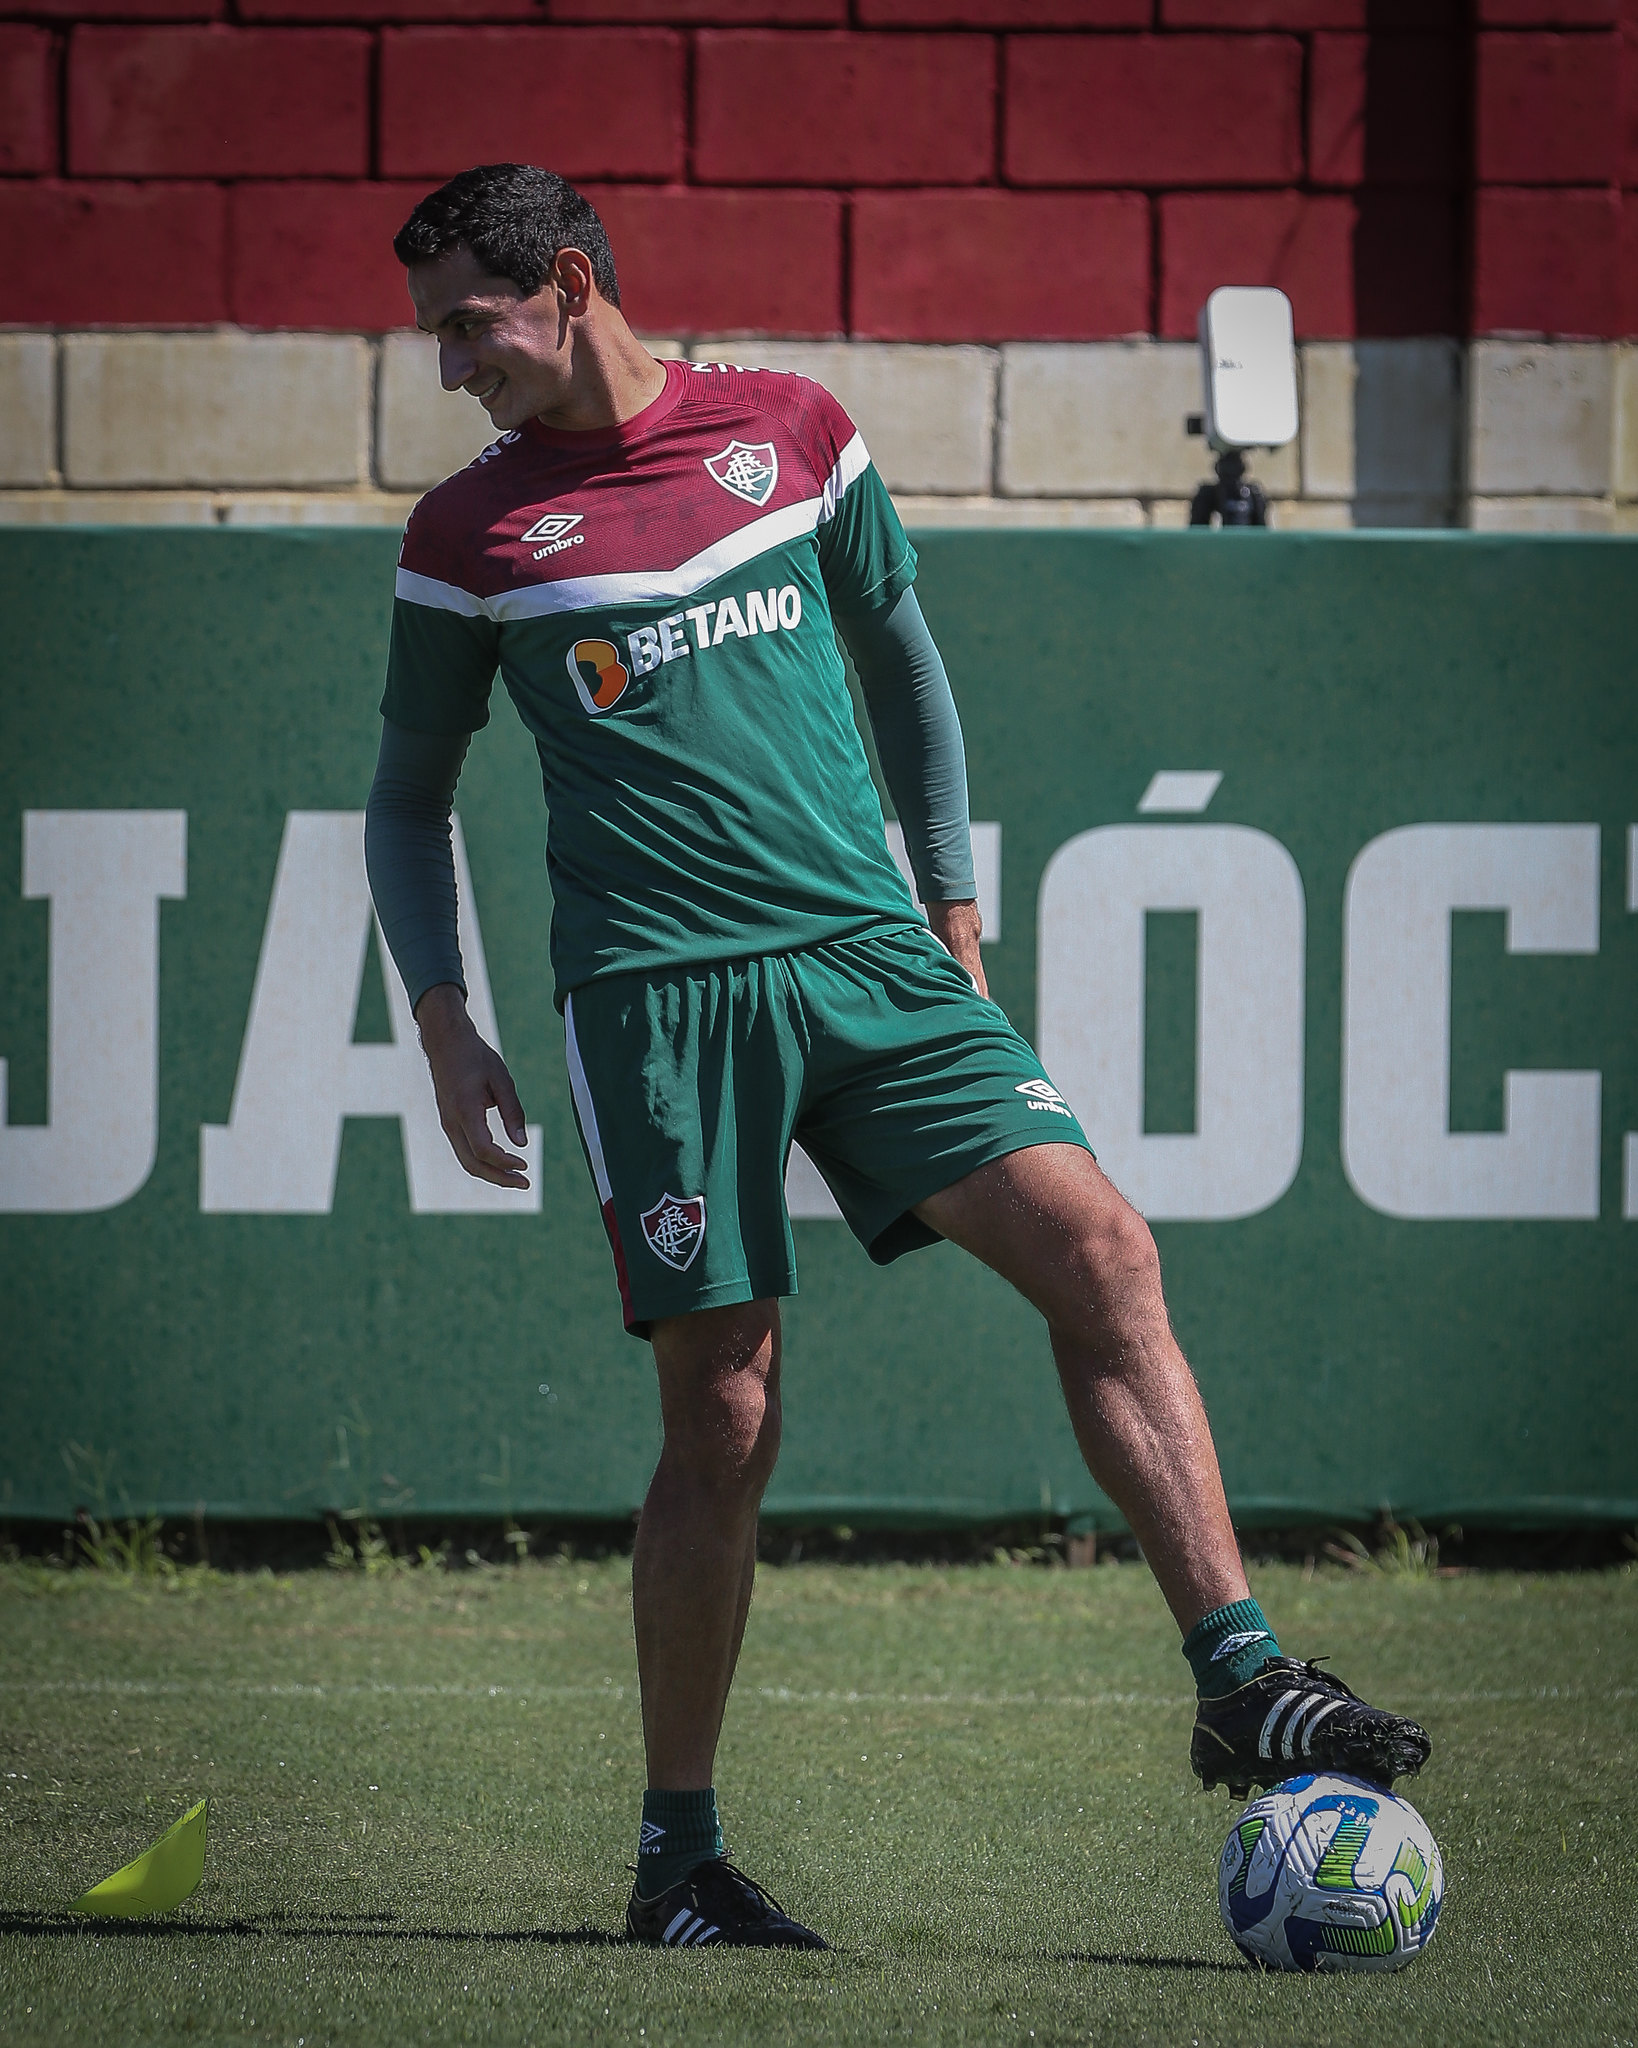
(1119, 1262)
(719, 1396)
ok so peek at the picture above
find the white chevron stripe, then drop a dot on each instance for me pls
(1308, 1733)
(649, 586)
(851, 464)
(1265, 1740)
(438, 597)
(646, 586)
(1299, 1713)
(684, 1916)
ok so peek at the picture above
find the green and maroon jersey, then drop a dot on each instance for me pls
(658, 600)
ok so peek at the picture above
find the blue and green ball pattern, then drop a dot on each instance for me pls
(1330, 1873)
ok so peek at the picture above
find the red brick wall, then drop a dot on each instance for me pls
(912, 170)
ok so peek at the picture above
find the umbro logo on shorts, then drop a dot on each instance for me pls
(675, 1229)
(749, 470)
(1042, 1095)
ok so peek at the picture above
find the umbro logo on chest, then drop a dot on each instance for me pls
(556, 532)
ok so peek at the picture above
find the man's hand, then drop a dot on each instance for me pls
(470, 1079)
(956, 926)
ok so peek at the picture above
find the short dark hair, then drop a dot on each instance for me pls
(514, 218)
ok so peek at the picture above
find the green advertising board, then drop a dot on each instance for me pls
(1310, 865)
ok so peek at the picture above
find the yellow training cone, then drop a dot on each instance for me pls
(160, 1878)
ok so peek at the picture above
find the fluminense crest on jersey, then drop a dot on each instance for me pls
(675, 1229)
(750, 472)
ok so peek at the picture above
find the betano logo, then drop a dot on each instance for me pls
(602, 688)
(760, 611)
(737, 618)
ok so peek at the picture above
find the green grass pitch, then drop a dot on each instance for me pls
(424, 1794)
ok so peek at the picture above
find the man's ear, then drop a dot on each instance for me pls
(572, 279)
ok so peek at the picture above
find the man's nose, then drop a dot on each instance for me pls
(455, 364)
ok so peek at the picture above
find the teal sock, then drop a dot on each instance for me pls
(680, 1830)
(1228, 1647)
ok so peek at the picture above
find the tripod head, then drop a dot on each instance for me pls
(1249, 360)
(1234, 500)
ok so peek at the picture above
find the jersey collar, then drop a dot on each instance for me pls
(627, 432)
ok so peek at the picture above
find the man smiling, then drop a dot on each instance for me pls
(657, 558)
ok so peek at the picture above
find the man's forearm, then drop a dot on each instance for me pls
(918, 739)
(410, 858)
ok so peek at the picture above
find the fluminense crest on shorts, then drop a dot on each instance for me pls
(675, 1229)
(749, 472)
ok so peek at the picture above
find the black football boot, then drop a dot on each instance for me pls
(1294, 1717)
(716, 1906)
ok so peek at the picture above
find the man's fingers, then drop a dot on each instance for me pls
(511, 1109)
(470, 1079)
(474, 1146)
(488, 1160)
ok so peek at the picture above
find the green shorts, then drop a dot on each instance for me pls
(876, 1052)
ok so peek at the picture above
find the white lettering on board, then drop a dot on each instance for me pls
(105, 873)
(1095, 896)
(1398, 1149)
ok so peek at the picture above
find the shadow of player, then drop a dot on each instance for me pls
(287, 1925)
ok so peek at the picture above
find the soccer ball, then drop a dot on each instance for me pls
(1330, 1873)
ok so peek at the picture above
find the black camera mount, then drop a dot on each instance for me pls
(1233, 498)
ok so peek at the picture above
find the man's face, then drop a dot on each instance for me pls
(510, 352)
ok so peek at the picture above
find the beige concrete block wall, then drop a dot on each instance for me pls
(1542, 515)
(28, 409)
(256, 429)
(1542, 419)
(1325, 436)
(1626, 424)
(923, 510)
(1107, 419)
(108, 508)
(225, 409)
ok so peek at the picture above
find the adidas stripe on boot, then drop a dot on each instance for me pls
(716, 1906)
(1293, 1717)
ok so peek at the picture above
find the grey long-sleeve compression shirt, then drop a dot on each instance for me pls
(407, 845)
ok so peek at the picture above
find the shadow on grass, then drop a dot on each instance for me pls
(303, 1926)
(281, 1923)
(1114, 1962)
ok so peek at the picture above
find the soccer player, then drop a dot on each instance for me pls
(657, 558)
